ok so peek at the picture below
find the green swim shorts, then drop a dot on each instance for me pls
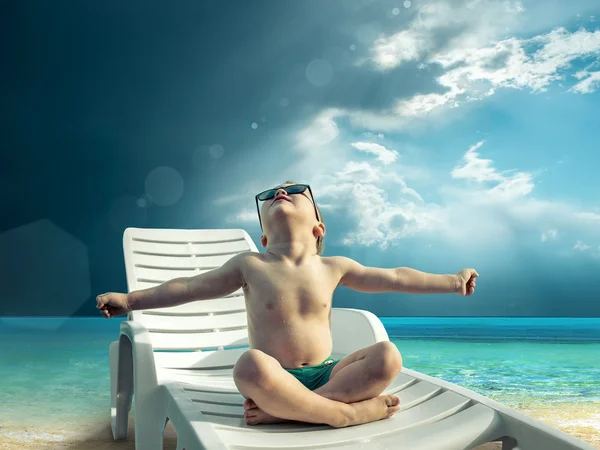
(314, 377)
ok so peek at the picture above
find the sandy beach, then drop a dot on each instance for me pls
(581, 421)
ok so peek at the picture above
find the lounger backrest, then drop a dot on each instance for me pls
(153, 256)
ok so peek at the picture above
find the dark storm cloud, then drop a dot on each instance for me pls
(97, 95)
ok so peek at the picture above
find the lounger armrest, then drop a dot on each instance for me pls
(135, 350)
(353, 329)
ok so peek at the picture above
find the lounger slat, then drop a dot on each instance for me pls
(225, 420)
(195, 323)
(199, 341)
(160, 275)
(212, 408)
(402, 381)
(182, 235)
(233, 303)
(218, 398)
(199, 374)
(416, 393)
(172, 262)
(188, 248)
(205, 360)
(431, 411)
(456, 431)
(199, 383)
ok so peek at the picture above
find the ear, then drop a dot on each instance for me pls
(319, 230)
(263, 240)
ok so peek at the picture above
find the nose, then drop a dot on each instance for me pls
(282, 191)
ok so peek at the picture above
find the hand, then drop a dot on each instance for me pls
(113, 304)
(466, 281)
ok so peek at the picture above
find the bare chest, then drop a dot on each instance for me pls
(274, 289)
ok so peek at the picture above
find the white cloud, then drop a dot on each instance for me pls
(589, 217)
(548, 235)
(468, 40)
(475, 168)
(475, 73)
(245, 216)
(480, 170)
(379, 221)
(580, 246)
(359, 171)
(322, 131)
(594, 252)
(483, 207)
(487, 212)
(590, 81)
(383, 154)
(471, 22)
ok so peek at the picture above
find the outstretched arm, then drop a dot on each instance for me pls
(213, 284)
(402, 279)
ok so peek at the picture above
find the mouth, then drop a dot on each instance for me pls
(282, 198)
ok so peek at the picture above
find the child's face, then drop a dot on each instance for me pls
(300, 205)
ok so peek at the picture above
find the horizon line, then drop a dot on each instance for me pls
(381, 317)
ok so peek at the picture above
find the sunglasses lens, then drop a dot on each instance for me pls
(266, 195)
(294, 189)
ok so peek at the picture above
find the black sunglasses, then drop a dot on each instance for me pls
(291, 189)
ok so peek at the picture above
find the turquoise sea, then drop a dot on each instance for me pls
(56, 369)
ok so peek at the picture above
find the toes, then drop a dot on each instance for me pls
(393, 400)
(390, 413)
(249, 404)
(251, 420)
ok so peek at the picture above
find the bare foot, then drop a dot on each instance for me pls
(373, 409)
(253, 415)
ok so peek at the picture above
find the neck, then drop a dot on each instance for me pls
(292, 249)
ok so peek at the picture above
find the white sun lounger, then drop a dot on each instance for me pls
(195, 389)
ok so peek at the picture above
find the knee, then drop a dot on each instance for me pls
(252, 368)
(390, 360)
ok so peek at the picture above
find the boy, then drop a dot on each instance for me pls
(288, 374)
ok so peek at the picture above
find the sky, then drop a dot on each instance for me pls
(437, 135)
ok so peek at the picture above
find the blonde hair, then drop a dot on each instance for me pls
(320, 244)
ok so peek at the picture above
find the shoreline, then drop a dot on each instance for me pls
(579, 420)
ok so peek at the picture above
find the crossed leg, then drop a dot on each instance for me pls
(280, 395)
(372, 368)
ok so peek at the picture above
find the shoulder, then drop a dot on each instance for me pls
(341, 265)
(249, 263)
(338, 262)
(248, 260)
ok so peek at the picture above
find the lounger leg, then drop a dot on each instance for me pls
(121, 391)
(509, 443)
(148, 429)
